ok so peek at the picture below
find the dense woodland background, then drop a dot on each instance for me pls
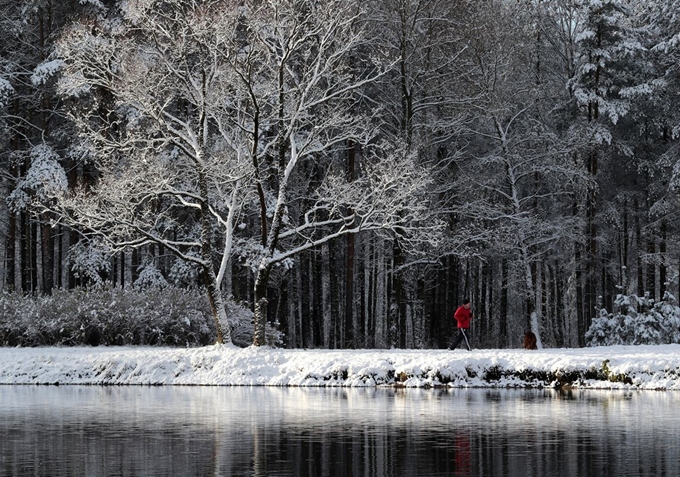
(543, 133)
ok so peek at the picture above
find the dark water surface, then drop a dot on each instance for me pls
(226, 431)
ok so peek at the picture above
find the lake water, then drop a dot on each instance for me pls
(223, 431)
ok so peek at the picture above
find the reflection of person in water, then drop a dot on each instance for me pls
(462, 446)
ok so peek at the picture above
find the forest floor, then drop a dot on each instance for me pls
(615, 367)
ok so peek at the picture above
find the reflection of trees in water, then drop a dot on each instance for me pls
(355, 450)
(262, 432)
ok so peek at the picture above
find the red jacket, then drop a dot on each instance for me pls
(462, 316)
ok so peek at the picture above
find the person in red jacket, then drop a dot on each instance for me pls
(463, 315)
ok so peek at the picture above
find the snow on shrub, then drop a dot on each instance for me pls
(106, 315)
(150, 277)
(89, 260)
(637, 321)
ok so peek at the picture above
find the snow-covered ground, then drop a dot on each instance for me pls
(624, 367)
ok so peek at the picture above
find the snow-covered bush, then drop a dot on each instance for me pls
(183, 273)
(637, 321)
(105, 315)
(89, 261)
(150, 277)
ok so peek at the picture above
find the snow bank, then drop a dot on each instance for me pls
(614, 367)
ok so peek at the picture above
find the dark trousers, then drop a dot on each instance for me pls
(463, 335)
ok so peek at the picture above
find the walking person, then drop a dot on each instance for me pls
(463, 315)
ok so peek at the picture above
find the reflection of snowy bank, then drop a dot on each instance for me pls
(621, 367)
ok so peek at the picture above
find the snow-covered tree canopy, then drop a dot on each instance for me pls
(194, 112)
(44, 180)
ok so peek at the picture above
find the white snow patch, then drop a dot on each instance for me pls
(644, 367)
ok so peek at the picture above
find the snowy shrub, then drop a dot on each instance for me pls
(183, 273)
(105, 315)
(89, 261)
(639, 320)
(150, 277)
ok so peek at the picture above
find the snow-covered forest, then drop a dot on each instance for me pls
(343, 173)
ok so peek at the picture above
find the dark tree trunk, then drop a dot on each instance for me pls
(651, 266)
(662, 263)
(48, 258)
(592, 259)
(578, 285)
(398, 295)
(326, 308)
(349, 330)
(640, 249)
(503, 325)
(623, 280)
(11, 252)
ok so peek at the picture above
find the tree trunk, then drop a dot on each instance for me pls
(29, 249)
(261, 302)
(64, 247)
(380, 315)
(214, 288)
(326, 294)
(217, 306)
(311, 316)
(38, 284)
(350, 328)
(397, 294)
(638, 244)
(663, 261)
(300, 304)
(291, 300)
(480, 323)
(558, 298)
(11, 253)
(578, 286)
(503, 325)
(47, 257)
(355, 297)
(651, 266)
(592, 260)
(409, 331)
(367, 310)
(624, 251)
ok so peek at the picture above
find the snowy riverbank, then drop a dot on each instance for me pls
(616, 367)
